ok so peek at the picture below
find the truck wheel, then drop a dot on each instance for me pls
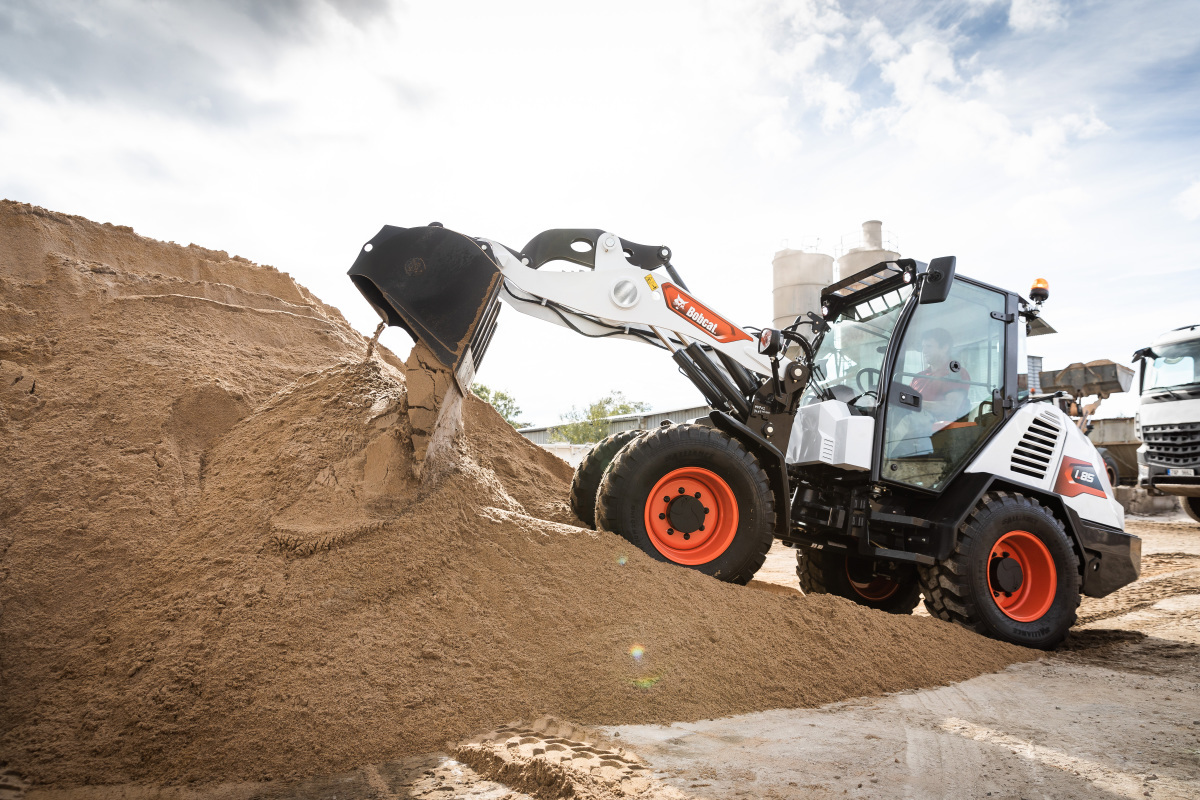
(1191, 507)
(833, 572)
(1111, 467)
(1013, 574)
(691, 495)
(586, 480)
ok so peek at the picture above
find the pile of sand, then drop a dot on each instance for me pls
(216, 562)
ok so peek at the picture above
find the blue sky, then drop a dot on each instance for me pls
(1031, 139)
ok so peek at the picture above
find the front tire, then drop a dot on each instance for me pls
(1191, 507)
(691, 495)
(586, 480)
(828, 571)
(1013, 574)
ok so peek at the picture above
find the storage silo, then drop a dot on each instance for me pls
(858, 253)
(799, 277)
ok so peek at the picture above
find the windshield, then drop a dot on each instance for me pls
(1173, 365)
(851, 354)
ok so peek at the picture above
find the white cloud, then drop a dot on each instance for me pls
(838, 103)
(1025, 16)
(1188, 202)
(1036, 150)
(1048, 211)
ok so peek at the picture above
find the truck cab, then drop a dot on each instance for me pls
(1168, 417)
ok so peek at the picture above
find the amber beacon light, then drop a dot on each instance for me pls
(1040, 291)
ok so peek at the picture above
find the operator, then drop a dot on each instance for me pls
(943, 382)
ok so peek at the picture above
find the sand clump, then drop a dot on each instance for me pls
(219, 559)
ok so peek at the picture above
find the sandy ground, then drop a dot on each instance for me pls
(1114, 713)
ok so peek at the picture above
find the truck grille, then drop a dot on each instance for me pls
(1172, 445)
(1032, 454)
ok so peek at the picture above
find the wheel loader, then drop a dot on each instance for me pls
(884, 438)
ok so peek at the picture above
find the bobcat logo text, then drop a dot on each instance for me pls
(703, 318)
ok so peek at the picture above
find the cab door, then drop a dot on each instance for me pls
(947, 385)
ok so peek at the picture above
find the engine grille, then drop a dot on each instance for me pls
(1033, 452)
(1172, 445)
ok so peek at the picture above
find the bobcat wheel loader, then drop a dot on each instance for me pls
(890, 446)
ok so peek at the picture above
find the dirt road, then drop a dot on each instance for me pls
(1115, 713)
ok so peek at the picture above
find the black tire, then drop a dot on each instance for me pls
(1191, 507)
(896, 591)
(586, 480)
(959, 589)
(624, 500)
(1111, 467)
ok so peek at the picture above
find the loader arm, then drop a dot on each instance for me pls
(444, 287)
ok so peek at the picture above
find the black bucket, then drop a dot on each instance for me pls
(440, 286)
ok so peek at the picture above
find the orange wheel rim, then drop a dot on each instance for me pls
(1021, 576)
(876, 589)
(691, 515)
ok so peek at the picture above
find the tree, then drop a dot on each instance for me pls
(589, 425)
(502, 401)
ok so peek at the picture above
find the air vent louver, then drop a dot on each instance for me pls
(1033, 453)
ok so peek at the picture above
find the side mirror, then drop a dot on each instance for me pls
(939, 275)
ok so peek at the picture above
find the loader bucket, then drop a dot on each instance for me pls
(1100, 378)
(440, 286)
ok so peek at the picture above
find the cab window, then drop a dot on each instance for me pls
(939, 406)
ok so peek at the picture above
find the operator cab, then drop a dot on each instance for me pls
(931, 372)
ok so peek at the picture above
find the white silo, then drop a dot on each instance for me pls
(799, 277)
(858, 253)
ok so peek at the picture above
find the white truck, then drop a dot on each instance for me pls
(1168, 419)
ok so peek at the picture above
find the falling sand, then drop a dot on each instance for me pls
(218, 561)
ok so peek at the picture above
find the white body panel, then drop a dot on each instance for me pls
(617, 293)
(998, 458)
(827, 433)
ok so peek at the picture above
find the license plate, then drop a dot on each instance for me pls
(1183, 473)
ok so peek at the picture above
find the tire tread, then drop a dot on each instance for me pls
(945, 585)
(585, 483)
(616, 483)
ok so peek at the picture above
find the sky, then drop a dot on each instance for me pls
(1031, 138)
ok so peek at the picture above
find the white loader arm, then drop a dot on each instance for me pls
(618, 299)
(444, 288)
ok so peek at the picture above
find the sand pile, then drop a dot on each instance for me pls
(216, 562)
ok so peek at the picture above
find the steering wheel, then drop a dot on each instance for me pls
(872, 379)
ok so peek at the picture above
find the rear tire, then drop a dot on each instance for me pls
(1191, 507)
(721, 523)
(586, 480)
(968, 587)
(833, 572)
